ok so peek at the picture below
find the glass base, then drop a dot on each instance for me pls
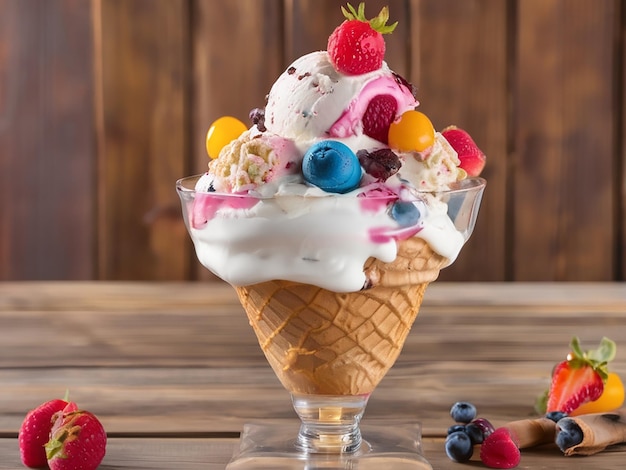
(386, 444)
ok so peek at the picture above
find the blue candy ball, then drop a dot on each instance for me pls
(331, 166)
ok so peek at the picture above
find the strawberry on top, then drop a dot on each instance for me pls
(357, 46)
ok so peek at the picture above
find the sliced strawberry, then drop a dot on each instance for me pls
(35, 432)
(572, 386)
(380, 113)
(78, 440)
(472, 158)
(580, 378)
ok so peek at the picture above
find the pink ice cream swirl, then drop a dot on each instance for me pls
(351, 121)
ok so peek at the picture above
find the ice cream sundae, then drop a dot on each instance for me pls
(333, 211)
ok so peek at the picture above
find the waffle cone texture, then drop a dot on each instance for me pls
(328, 343)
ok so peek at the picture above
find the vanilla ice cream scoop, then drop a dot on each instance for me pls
(311, 101)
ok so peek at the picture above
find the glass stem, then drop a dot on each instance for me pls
(330, 423)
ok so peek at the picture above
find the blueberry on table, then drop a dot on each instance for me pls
(475, 433)
(463, 412)
(485, 425)
(459, 446)
(455, 428)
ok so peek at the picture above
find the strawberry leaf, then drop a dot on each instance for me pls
(361, 12)
(598, 358)
(605, 353)
(350, 13)
(575, 346)
(54, 447)
(378, 23)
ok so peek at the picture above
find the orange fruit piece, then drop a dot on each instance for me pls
(611, 399)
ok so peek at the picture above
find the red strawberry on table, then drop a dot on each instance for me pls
(35, 432)
(357, 46)
(77, 441)
(472, 158)
(580, 378)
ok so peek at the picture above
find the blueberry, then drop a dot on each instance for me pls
(331, 166)
(556, 416)
(463, 412)
(455, 428)
(459, 447)
(475, 433)
(405, 213)
(568, 434)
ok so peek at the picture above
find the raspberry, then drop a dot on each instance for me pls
(499, 450)
(380, 113)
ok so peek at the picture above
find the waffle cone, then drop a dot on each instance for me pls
(599, 431)
(328, 343)
(532, 432)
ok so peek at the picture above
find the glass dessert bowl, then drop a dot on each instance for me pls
(331, 285)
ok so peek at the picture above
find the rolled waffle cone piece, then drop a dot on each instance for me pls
(328, 343)
(599, 431)
(532, 432)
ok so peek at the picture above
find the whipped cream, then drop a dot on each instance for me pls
(305, 236)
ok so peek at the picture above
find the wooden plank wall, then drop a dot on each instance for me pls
(104, 104)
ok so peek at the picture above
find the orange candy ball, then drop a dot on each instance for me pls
(413, 132)
(222, 132)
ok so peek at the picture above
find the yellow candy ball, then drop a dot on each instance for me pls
(222, 132)
(413, 132)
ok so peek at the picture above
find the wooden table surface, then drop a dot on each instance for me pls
(174, 371)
